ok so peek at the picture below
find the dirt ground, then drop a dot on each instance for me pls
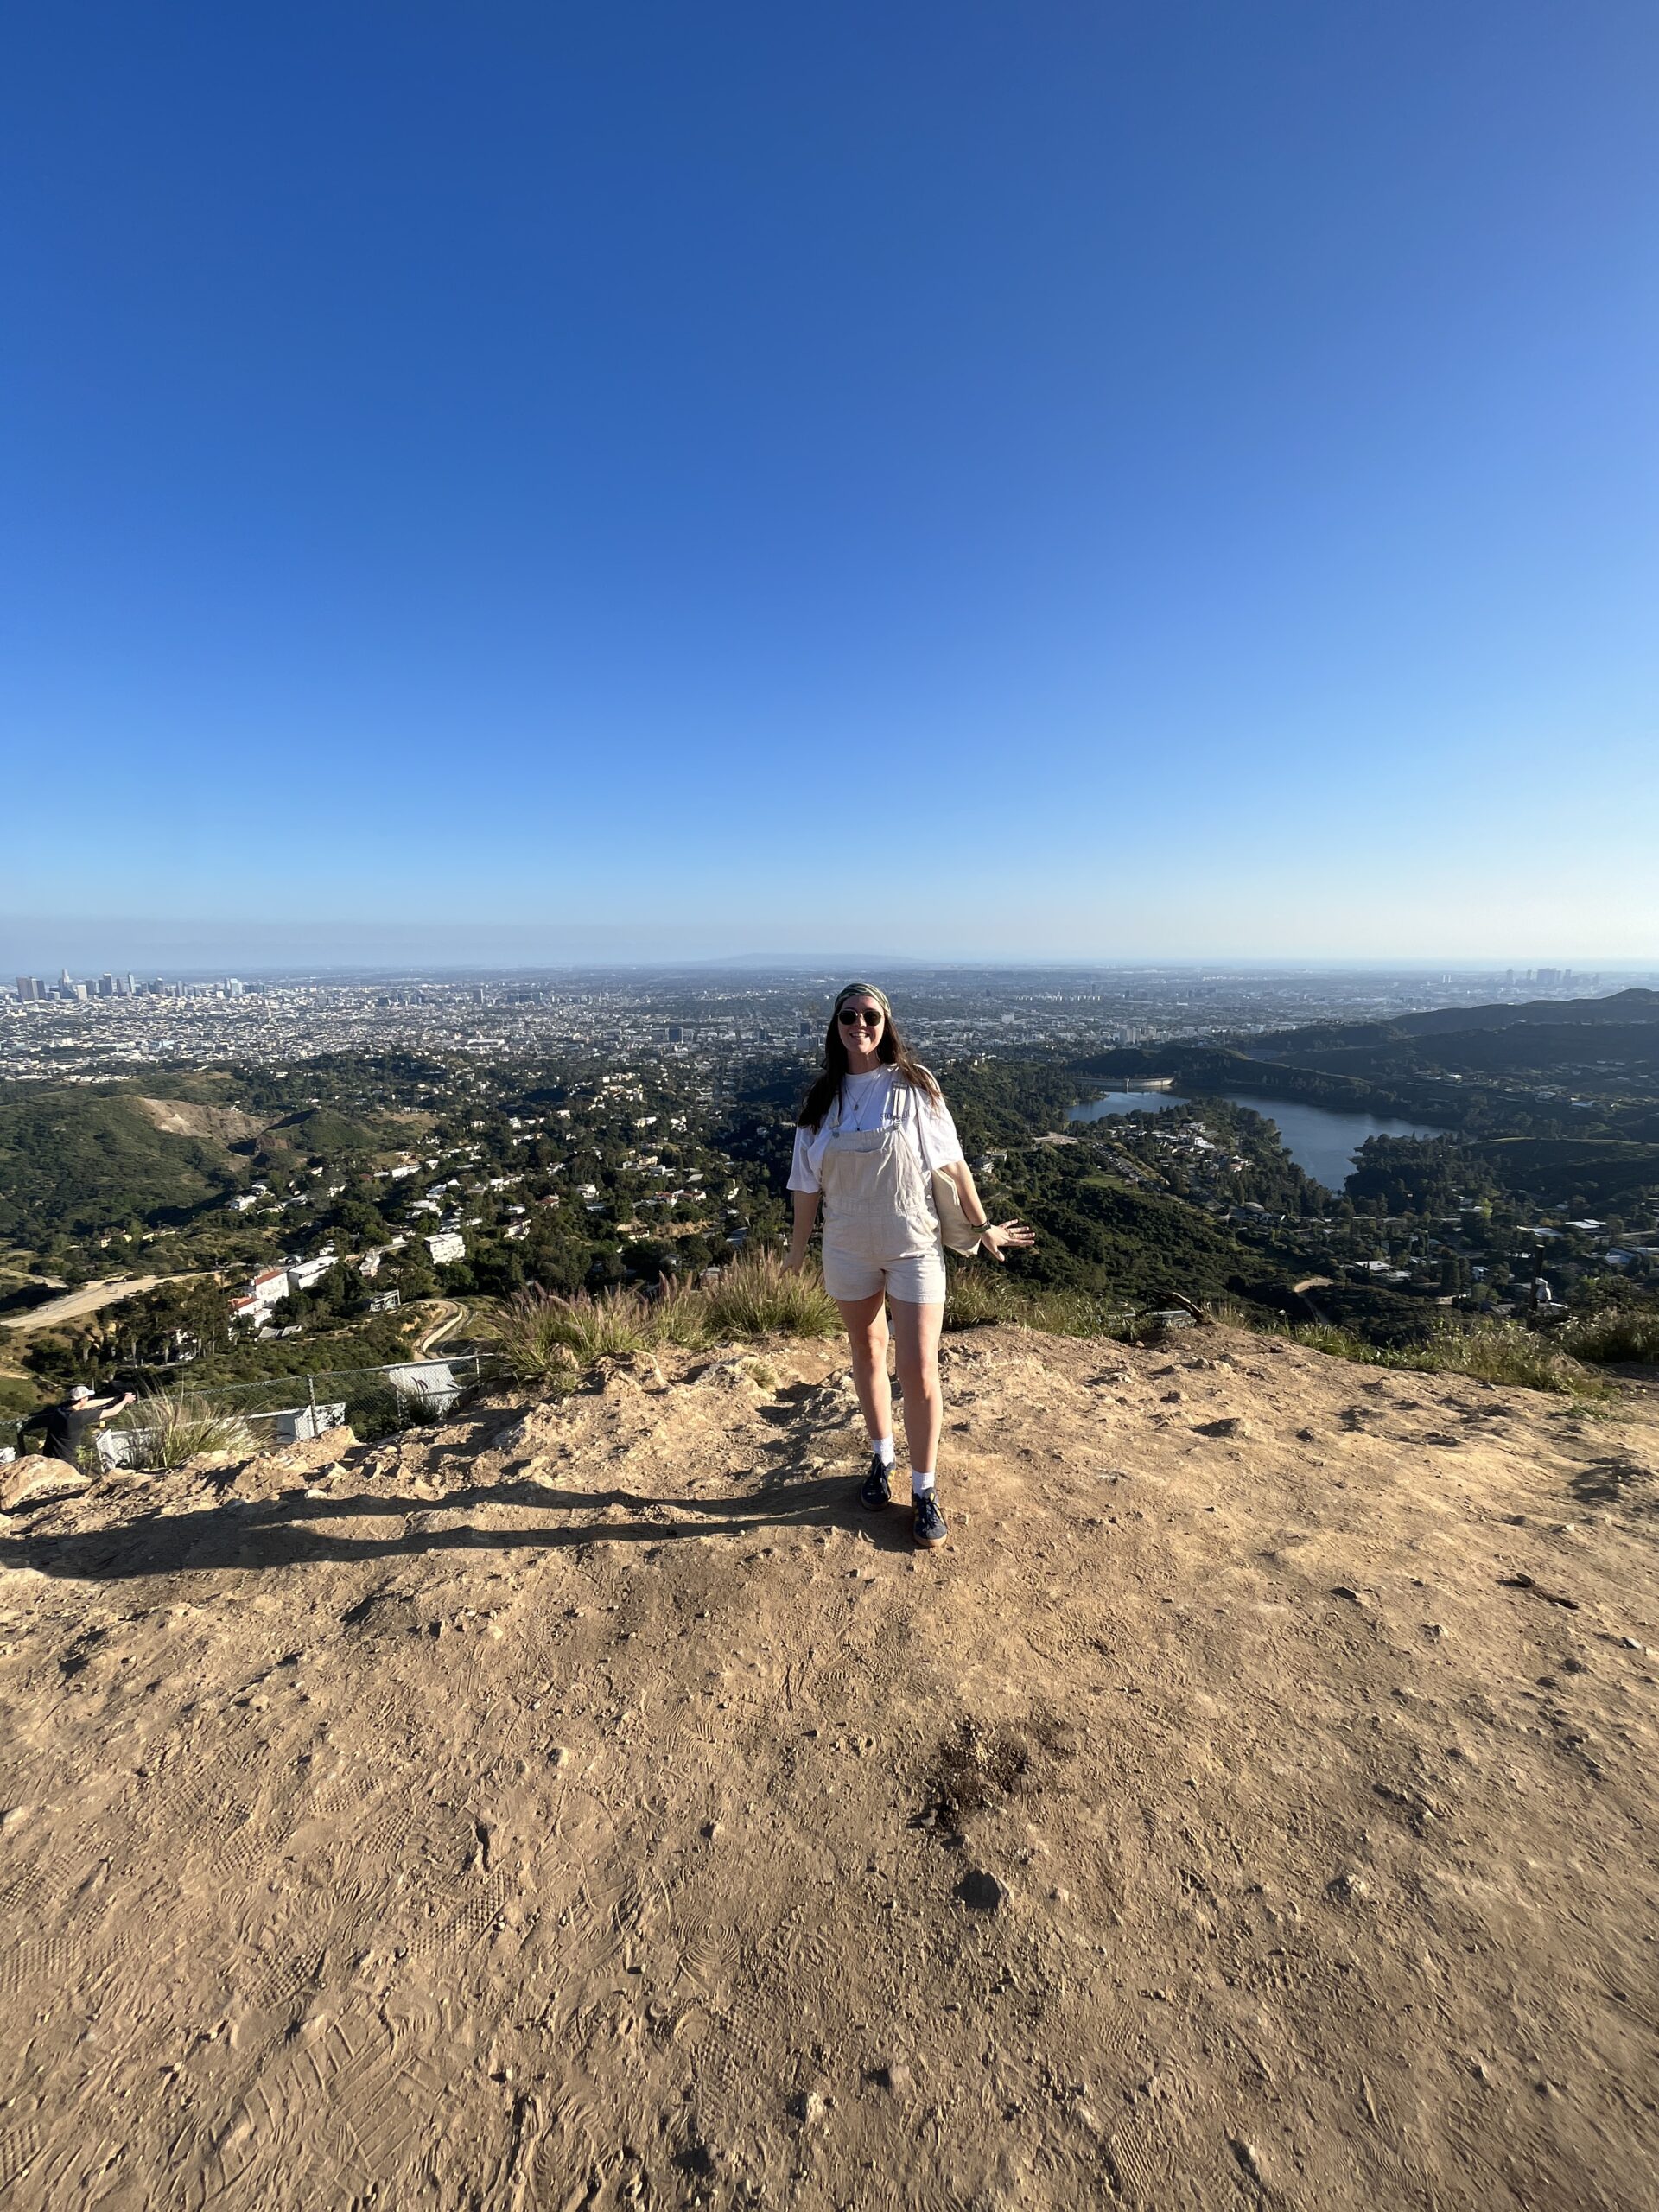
(585, 1804)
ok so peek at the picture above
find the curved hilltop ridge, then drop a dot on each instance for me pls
(583, 1804)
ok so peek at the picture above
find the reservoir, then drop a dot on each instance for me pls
(1321, 1141)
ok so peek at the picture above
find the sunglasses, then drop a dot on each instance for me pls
(859, 1017)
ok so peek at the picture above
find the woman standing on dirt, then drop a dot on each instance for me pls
(872, 1133)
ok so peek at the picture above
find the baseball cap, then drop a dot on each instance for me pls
(80, 1391)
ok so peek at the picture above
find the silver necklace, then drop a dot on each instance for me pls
(871, 1092)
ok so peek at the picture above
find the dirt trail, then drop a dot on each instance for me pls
(91, 1298)
(585, 1805)
(450, 1320)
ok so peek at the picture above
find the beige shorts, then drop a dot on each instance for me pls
(917, 1280)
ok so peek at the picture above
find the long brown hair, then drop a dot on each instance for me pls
(892, 1050)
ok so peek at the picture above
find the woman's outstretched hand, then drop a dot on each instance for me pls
(1006, 1237)
(793, 1263)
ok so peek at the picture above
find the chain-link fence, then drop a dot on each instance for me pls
(164, 1426)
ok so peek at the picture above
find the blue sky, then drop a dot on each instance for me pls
(1093, 480)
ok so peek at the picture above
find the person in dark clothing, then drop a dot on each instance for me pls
(68, 1425)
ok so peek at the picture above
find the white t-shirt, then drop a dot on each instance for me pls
(880, 1100)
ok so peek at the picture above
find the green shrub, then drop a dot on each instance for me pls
(543, 1338)
(1237, 1313)
(753, 1297)
(1614, 1333)
(374, 1409)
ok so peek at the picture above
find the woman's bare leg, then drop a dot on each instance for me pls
(916, 1334)
(866, 1338)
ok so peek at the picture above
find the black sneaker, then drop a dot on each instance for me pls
(874, 1493)
(927, 1526)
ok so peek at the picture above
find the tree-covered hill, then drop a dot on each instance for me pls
(1618, 1008)
(77, 1161)
(1568, 1172)
(324, 1130)
(1096, 1233)
(1565, 1049)
(1544, 1037)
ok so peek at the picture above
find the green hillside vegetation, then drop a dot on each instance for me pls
(1535, 1049)
(1566, 1171)
(1100, 1236)
(1417, 1175)
(1545, 1037)
(1000, 1101)
(75, 1161)
(183, 1328)
(376, 1343)
(324, 1130)
(1439, 1024)
(1633, 1005)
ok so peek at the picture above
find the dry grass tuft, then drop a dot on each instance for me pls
(1617, 1334)
(753, 1297)
(170, 1427)
(679, 1315)
(1491, 1351)
(541, 1339)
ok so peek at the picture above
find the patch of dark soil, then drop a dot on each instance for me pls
(977, 1768)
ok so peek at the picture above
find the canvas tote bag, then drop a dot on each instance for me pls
(958, 1232)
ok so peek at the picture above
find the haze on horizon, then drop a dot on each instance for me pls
(538, 486)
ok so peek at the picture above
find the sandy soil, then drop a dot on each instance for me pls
(585, 1805)
(184, 1117)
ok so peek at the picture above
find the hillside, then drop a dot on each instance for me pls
(1565, 1171)
(585, 1805)
(1632, 1005)
(1570, 1037)
(1619, 1009)
(74, 1160)
(321, 1130)
(1573, 1049)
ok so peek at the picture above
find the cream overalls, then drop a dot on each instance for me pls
(879, 1229)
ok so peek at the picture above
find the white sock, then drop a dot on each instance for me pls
(920, 1484)
(882, 1448)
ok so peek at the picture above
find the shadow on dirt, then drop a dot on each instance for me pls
(246, 1534)
(1616, 1482)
